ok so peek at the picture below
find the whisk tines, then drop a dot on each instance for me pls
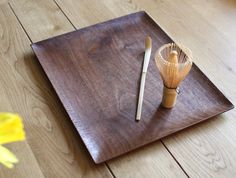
(174, 63)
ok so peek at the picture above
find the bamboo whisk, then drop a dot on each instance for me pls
(174, 63)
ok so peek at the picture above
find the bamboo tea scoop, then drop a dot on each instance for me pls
(174, 63)
(148, 49)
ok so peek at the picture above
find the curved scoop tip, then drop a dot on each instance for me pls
(148, 42)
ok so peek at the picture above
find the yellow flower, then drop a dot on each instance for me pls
(7, 158)
(11, 130)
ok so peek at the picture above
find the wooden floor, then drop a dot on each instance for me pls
(53, 148)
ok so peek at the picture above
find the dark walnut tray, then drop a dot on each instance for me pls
(96, 71)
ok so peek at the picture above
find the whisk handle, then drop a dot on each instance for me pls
(169, 97)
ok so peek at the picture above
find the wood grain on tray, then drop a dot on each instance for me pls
(96, 72)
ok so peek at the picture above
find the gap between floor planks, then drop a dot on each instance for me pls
(106, 164)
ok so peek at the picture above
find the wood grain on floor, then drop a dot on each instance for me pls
(53, 148)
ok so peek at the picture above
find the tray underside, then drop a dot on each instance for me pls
(96, 71)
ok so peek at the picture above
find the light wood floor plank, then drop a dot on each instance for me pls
(85, 13)
(3, 2)
(42, 18)
(220, 14)
(7, 57)
(150, 161)
(50, 133)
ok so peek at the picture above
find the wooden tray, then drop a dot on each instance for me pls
(96, 72)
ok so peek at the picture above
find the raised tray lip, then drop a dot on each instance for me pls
(99, 160)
